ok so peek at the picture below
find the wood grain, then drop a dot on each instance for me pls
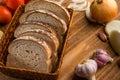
(81, 42)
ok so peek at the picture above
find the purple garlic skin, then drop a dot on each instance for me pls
(102, 58)
(87, 69)
(100, 51)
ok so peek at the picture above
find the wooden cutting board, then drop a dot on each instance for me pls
(81, 42)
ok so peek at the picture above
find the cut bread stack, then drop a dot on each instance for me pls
(39, 36)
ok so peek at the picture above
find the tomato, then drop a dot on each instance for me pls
(4, 1)
(13, 4)
(26, 1)
(5, 15)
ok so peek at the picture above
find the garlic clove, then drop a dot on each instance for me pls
(93, 62)
(102, 36)
(78, 70)
(102, 58)
(99, 63)
(100, 51)
(81, 71)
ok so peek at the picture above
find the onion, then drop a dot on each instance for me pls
(88, 15)
(103, 10)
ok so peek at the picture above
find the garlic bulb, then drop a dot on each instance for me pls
(102, 58)
(87, 69)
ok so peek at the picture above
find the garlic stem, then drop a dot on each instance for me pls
(99, 1)
(92, 77)
(111, 59)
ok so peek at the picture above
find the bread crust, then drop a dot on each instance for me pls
(53, 7)
(46, 60)
(45, 17)
(53, 40)
(40, 28)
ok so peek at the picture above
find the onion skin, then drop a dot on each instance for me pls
(104, 11)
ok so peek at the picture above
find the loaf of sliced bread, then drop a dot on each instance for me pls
(45, 17)
(55, 8)
(39, 37)
(30, 53)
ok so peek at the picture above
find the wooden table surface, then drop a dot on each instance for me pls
(81, 42)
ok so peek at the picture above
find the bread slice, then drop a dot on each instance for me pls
(39, 29)
(45, 17)
(35, 25)
(30, 53)
(55, 8)
(50, 38)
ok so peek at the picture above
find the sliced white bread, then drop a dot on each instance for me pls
(45, 17)
(55, 8)
(30, 53)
